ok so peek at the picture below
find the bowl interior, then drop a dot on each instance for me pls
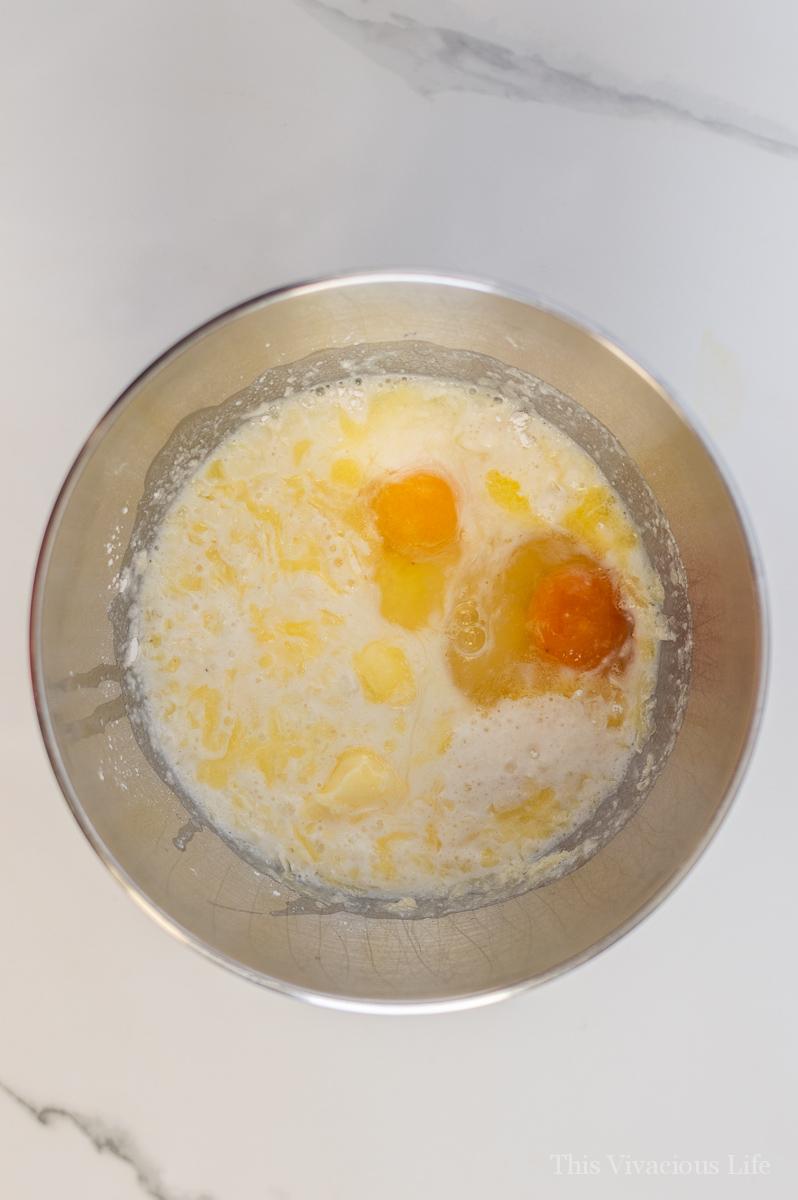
(228, 904)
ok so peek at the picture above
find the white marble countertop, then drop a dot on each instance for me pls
(635, 162)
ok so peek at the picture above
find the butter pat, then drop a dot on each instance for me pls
(361, 780)
(385, 675)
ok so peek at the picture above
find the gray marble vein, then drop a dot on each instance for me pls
(434, 59)
(104, 1142)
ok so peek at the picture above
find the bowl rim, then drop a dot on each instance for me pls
(463, 1000)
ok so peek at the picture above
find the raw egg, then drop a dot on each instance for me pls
(575, 617)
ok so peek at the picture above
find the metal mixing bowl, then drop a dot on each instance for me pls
(364, 954)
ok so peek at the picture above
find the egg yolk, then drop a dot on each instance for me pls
(416, 515)
(574, 616)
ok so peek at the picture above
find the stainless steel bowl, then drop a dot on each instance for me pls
(648, 836)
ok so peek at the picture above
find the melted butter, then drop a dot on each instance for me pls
(385, 674)
(599, 522)
(361, 780)
(204, 712)
(269, 749)
(410, 593)
(537, 817)
(346, 473)
(385, 865)
(506, 492)
(292, 645)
